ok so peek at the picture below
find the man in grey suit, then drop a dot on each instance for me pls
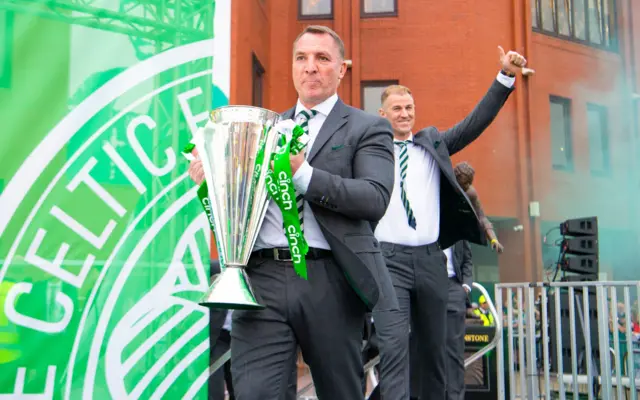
(219, 344)
(460, 271)
(428, 211)
(346, 177)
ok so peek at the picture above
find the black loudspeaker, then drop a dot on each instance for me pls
(581, 245)
(579, 278)
(580, 227)
(565, 331)
(579, 249)
(580, 264)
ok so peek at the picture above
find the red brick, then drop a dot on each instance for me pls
(445, 51)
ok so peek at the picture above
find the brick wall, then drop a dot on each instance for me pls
(446, 53)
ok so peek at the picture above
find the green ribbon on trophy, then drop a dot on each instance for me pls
(203, 196)
(279, 183)
(281, 190)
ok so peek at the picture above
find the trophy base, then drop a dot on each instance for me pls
(231, 291)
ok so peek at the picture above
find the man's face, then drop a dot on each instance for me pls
(399, 109)
(484, 306)
(317, 68)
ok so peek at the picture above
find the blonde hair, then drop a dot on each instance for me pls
(322, 30)
(394, 89)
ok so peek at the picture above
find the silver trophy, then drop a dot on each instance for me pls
(235, 148)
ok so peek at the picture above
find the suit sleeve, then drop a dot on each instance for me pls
(467, 264)
(366, 195)
(468, 130)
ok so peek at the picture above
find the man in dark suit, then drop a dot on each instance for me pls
(460, 271)
(346, 178)
(219, 344)
(428, 211)
(220, 340)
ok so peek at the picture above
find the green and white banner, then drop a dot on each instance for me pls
(103, 244)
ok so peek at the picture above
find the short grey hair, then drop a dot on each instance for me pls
(322, 30)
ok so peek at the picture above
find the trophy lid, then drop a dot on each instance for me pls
(243, 114)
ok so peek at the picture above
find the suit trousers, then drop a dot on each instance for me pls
(323, 315)
(222, 376)
(456, 311)
(419, 277)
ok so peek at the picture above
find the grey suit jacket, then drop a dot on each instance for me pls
(458, 220)
(353, 175)
(462, 262)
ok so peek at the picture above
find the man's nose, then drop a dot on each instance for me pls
(311, 67)
(404, 113)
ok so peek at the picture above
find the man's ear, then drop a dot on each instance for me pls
(382, 113)
(343, 69)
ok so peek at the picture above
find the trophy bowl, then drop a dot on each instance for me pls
(235, 147)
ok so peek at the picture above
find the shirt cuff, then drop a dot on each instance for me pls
(464, 285)
(507, 81)
(302, 178)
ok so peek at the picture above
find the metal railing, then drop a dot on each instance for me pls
(217, 364)
(369, 367)
(497, 324)
(547, 322)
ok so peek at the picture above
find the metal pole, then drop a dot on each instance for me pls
(545, 344)
(603, 336)
(532, 365)
(500, 349)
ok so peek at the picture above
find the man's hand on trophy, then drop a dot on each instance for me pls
(511, 62)
(296, 162)
(196, 170)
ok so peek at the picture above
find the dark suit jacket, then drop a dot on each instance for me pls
(458, 220)
(353, 175)
(462, 262)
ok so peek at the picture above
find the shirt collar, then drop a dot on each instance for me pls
(408, 140)
(323, 108)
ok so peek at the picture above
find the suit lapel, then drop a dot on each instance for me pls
(289, 113)
(430, 140)
(425, 141)
(335, 120)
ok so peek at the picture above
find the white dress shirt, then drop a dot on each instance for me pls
(271, 234)
(450, 270)
(227, 321)
(423, 191)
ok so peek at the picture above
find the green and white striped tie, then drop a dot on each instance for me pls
(404, 163)
(303, 120)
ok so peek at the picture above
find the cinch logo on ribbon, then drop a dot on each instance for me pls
(292, 140)
(295, 140)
